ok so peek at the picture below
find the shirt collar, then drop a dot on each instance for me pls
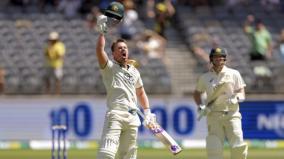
(224, 69)
(128, 66)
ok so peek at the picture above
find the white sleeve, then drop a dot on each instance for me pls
(239, 82)
(107, 68)
(139, 82)
(200, 86)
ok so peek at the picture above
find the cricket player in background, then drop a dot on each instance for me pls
(124, 89)
(225, 89)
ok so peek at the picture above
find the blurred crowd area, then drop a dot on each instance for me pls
(251, 31)
(25, 26)
(28, 46)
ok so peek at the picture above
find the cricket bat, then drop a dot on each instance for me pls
(218, 91)
(163, 136)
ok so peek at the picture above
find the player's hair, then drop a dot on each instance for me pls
(117, 41)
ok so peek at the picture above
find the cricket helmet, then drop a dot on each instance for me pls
(115, 10)
(218, 52)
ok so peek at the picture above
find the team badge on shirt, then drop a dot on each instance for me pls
(129, 78)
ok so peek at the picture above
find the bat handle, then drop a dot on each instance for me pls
(199, 117)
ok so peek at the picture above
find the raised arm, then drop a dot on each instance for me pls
(102, 28)
(100, 51)
(248, 22)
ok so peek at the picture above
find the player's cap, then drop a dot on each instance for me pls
(218, 52)
(53, 36)
(115, 10)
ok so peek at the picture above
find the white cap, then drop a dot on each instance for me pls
(53, 36)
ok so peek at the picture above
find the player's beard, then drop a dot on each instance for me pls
(218, 66)
(121, 60)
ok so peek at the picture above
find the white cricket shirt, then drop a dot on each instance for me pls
(208, 81)
(121, 84)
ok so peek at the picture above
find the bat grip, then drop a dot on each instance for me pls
(199, 117)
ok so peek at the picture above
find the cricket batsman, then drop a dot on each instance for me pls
(224, 87)
(124, 89)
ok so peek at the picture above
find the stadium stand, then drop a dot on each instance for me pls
(226, 25)
(23, 36)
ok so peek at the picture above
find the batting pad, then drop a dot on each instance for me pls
(131, 154)
(239, 152)
(104, 155)
(108, 148)
(214, 147)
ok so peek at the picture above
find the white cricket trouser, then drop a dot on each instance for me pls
(226, 125)
(119, 136)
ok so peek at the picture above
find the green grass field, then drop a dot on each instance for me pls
(142, 154)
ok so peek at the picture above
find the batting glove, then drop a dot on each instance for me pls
(233, 100)
(203, 111)
(150, 118)
(101, 26)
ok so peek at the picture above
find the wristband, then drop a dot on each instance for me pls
(147, 111)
